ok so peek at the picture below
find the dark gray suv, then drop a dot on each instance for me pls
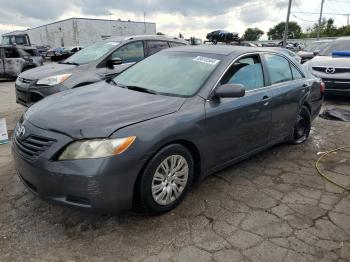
(94, 63)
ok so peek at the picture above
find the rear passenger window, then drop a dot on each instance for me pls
(246, 71)
(296, 73)
(156, 46)
(279, 68)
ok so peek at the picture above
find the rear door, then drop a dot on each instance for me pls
(13, 62)
(2, 72)
(288, 86)
(239, 126)
(154, 46)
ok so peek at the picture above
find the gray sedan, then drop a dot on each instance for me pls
(142, 138)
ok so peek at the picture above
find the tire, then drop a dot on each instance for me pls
(302, 127)
(156, 192)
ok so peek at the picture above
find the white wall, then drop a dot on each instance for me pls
(82, 32)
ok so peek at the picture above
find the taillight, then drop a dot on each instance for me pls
(322, 87)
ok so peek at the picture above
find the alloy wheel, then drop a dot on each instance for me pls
(170, 179)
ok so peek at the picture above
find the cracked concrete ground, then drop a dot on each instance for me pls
(272, 207)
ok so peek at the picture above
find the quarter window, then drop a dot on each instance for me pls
(279, 68)
(129, 53)
(156, 46)
(246, 71)
(296, 73)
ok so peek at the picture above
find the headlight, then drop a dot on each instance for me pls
(96, 148)
(53, 80)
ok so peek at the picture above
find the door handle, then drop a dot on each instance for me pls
(266, 98)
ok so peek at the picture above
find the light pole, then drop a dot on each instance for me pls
(287, 24)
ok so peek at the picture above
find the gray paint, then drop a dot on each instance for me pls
(81, 75)
(223, 131)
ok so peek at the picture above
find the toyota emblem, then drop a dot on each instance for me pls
(330, 70)
(20, 132)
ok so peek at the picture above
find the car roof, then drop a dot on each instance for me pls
(144, 37)
(219, 49)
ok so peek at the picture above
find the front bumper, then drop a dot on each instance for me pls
(28, 93)
(337, 87)
(100, 185)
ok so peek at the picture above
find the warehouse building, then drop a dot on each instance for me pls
(84, 31)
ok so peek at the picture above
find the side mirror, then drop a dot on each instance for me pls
(230, 90)
(316, 52)
(113, 61)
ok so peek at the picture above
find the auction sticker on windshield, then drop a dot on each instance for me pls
(206, 60)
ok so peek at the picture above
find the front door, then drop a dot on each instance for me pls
(238, 126)
(13, 62)
(130, 54)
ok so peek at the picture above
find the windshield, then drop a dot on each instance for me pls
(91, 53)
(313, 46)
(338, 45)
(170, 73)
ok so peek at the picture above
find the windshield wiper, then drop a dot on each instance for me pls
(135, 88)
(141, 89)
(69, 63)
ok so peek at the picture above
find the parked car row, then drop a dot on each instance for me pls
(161, 119)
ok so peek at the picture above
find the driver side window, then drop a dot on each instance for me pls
(246, 71)
(132, 52)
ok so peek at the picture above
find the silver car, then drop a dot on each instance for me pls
(332, 65)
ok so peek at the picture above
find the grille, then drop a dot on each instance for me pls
(32, 146)
(338, 70)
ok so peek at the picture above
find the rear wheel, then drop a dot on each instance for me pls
(166, 179)
(302, 126)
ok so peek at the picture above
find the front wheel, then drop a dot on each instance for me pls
(166, 179)
(302, 127)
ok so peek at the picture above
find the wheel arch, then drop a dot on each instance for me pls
(185, 143)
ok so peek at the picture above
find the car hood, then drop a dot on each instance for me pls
(318, 65)
(51, 70)
(330, 61)
(98, 110)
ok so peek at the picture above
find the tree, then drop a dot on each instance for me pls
(277, 31)
(327, 29)
(252, 34)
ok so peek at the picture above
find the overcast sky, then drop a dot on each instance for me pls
(190, 17)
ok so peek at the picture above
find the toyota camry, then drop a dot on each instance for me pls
(142, 138)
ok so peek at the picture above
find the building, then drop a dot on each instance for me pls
(84, 31)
